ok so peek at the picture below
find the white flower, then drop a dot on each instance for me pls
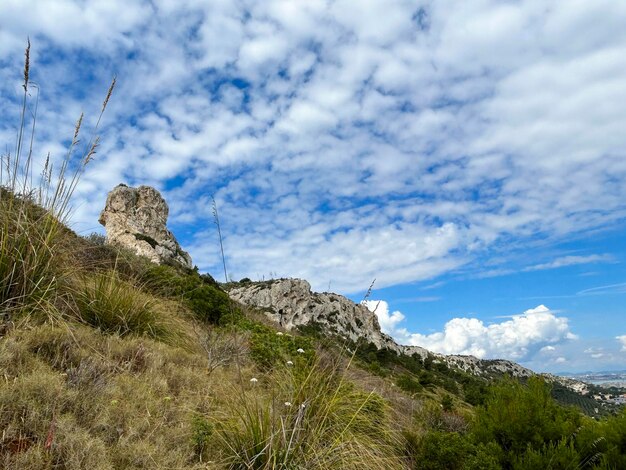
(287, 403)
(279, 333)
(300, 350)
(289, 363)
(254, 380)
(303, 406)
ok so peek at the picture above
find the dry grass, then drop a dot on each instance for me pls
(306, 416)
(32, 214)
(118, 402)
(98, 372)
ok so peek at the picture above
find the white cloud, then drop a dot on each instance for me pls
(396, 143)
(608, 289)
(388, 321)
(570, 261)
(622, 340)
(536, 330)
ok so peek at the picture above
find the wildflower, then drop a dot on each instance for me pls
(254, 380)
(279, 333)
(300, 350)
(303, 406)
(114, 402)
(287, 403)
(289, 363)
(167, 398)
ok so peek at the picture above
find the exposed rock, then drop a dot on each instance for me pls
(136, 218)
(290, 303)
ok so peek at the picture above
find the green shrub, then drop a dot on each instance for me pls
(202, 431)
(199, 292)
(269, 347)
(446, 403)
(442, 451)
(520, 418)
(554, 456)
(408, 383)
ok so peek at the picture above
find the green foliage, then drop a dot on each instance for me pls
(29, 261)
(518, 417)
(440, 450)
(201, 433)
(447, 404)
(408, 383)
(313, 329)
(603, 443)
(269, 347)
(561, 455)
(199, 292)
(475, 392)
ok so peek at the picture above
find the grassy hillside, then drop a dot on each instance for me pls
(109, 361)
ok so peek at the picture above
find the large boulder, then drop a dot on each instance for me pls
(136, 218)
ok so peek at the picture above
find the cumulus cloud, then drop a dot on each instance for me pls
(400, 143)
(519, 339)
(388, 321)
(622, 340)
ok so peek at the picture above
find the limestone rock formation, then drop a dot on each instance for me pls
(136, 218)
(290, 303)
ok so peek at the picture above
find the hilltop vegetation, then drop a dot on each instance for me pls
(109, 361)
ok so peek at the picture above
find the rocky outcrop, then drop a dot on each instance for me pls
(290, 303)
(136, 218)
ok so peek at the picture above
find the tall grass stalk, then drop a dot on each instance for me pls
(32, 216)
(216, 219)
(308, 416)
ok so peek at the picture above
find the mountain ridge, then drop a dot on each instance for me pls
(291, 303)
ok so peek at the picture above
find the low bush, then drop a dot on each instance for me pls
(199, 292)
(408, 383)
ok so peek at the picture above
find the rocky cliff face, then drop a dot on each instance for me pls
(136, 218)
(291, 303)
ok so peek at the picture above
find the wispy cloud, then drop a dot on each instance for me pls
(341, 147)
(571, 261)
(605, 290)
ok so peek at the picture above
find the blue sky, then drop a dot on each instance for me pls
(469, 156)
